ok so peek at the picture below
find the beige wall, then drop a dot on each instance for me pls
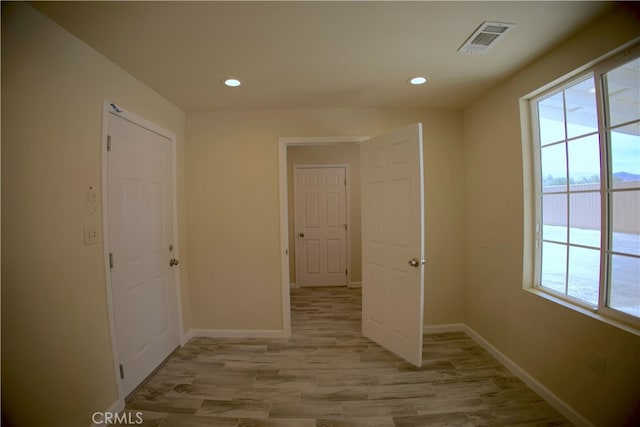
(348, 154)
(233, 212)
(547, 340)
(57, 366)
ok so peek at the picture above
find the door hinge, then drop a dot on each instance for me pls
(108, 142)
(346, 272)
(121, 372)
(345, 227)
(116, 108)
(110, 260)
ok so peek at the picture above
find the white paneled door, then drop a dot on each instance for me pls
(321, 226)
(140, 221)
(393, 241)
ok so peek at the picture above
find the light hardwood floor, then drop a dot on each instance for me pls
(328, 374)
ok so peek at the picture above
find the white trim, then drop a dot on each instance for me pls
(443, 329)
(140, 121)
(284, 237)
(294, 285)
(347, 196)
(324, 285)
(116, 407)
(559, 404)
(186, 337)
(347, 210)
(355, 284)
(106, 246)
(283, 143)
(322, 140)
(239, 333)
(176, 246)
(110, 108)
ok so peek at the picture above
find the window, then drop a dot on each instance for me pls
(587, 164)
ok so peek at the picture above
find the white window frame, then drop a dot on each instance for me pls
(597, 72)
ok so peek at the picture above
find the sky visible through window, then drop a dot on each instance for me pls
(626, 157)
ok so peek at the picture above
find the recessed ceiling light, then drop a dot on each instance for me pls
(232, 82)
(419, 80)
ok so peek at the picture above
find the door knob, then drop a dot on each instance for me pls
(301, 234)
(414, 262)
(173, 262)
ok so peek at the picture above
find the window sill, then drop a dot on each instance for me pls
(590, 313)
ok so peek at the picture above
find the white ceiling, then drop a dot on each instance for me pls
(317, 54)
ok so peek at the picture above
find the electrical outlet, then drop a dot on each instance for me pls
(596, 362)
(90, 234)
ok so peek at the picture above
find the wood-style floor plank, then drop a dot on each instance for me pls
(328, 375)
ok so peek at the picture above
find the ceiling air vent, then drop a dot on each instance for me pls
(485, 37)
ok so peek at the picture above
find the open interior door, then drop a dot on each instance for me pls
(393, 241)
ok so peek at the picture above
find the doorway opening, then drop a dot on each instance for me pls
(392, 237)
(321, 151)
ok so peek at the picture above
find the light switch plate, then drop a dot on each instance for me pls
(90, 234)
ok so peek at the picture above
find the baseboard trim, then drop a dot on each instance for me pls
(238, 333)
(441, 329)
(559, 404)
(355, 285)
(186, 337)
(115, 408)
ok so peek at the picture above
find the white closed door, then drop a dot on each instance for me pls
(321, 226)
(143, 285)
(393, 241)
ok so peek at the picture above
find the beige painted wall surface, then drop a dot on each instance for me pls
(329, 154)
(57, 366)
(233, 213)
(547, 340)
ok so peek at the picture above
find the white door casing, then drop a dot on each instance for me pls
(320, 225)
(393, 240)
(140, 224)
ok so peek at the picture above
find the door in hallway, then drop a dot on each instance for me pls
(321, 226)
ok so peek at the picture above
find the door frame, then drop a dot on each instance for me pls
(283, 144)
(109, 107)
(347, 210)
